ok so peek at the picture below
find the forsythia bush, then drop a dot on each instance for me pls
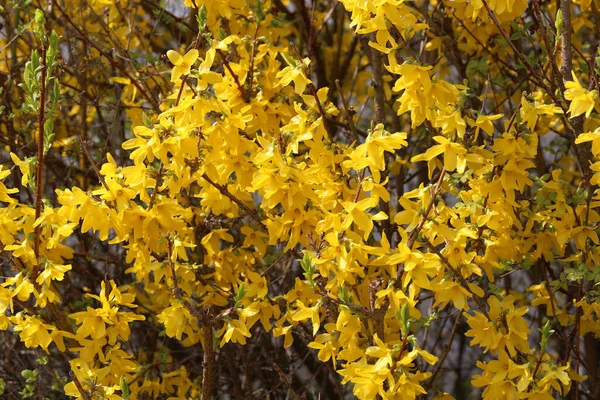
(268, 199)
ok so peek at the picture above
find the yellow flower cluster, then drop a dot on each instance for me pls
(252, 200)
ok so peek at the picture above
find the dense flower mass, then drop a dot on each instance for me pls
(309, 198)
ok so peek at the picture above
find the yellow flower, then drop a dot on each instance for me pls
(24, 166)
(257, 286)
(594, 137)
(286, 332)
(582, 100)
(371, 152)
(304, 313)
(175, 318)
(453, 154)
(296, 74)
(235, 331)
(35, 333)
(182, 64)
(53, 272)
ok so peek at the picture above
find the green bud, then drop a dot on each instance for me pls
(202, 17)
(558, 23)
(124, 388)
(146, 120)
(40, 20)
(240, 295)
(404, 317)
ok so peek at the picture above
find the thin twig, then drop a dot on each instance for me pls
(250, 79)
(115, 64)
(225, 192)
(413, 236)
(92, 163)
(233, 75)
(458, 275)
(156, 185)
(286, 380)
(377, 83)
(313, 92)
(447, 349)
(347, 111)
(523, 60)
(39, 181)
(209, 358)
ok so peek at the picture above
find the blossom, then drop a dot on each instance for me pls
(182, 64)
(582, 100)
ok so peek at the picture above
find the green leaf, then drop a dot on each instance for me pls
(43, 360)
(558, 23)
(48, 128)
(40, 20)
(404, 317)
(146, 120)
(202, 17)
(124, 388)
(240, 295)
(309, 269)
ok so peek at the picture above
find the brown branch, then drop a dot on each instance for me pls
(92, 163)
(566, 49)
(436, 191)
(447, 349)
(498, 59)
(39, 181)
(377, 82)
(207, 364)
(413, 236)
(250, 79)
(209, 358)
(180, 92)
(313, 92)
(548, 287)
(360, 132)
(360, 181)
(518, 53)
(542, 24)
(233, 75)
(156, 186)
(225, 192)
(377, 314)
(458, 275)
(582, 151)
(176, 290)
(347, 111)
(112, 62)
(323, 292)
(286, 381)
(84, 393)
(184, 78)
(323, 24)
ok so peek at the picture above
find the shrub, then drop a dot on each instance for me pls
(230, 199)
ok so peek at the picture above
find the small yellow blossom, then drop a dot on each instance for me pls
(182, 64)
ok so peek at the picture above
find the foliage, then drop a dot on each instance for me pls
(264, 197)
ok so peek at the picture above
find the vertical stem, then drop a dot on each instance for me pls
(566, 49)
(543, 31)
(347, 112)
(375, 57)
(39, 181)
(377, 66)
(251, 70)
(176, 289)
(209, 357)
(583, 150)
